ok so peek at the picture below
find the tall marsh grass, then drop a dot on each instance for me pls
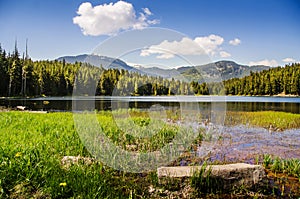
(266, 119)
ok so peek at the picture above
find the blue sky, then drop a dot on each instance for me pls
(246, 31)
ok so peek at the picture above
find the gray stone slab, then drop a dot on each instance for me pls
(230, 175)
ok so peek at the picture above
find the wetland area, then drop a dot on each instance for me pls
(254, 130)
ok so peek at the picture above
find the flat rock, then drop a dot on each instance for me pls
(22, 108)
(229, 175)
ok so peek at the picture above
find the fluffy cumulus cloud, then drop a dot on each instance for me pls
(235, 42)
(225, 54)
(265, 62)
(289, 60)
(210, 45)
(167, 49)
(108, 19)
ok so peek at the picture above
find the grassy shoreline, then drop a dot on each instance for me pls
(33, 144)
(275, 121)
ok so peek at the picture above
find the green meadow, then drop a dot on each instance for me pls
(33, 145)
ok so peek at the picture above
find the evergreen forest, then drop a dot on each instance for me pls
(20, 76)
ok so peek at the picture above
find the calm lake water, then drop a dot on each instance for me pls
(231, 103)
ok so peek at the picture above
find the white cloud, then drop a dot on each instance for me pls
(108, 19)
(235, 42)
(147, 11)
(225, 54)
(210, 43)
(289, 60)
(167, 49)
(265, 62)
(199, 46)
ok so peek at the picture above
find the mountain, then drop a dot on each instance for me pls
(97, 60)
(155, 71)
(227, 70)
(217, 71)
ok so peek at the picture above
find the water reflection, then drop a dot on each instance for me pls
(243, 143)
(105, 103)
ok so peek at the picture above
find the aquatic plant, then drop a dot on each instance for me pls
(203, 182)
(271, 120)
(287, 166)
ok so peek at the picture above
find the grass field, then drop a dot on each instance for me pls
(33, 144)
(267, 119)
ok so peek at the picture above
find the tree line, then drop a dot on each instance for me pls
(274, 81)
(279, 80)
(20, 76)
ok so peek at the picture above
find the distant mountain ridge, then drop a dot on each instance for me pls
(229, 69)
(216, 71)
(98, 60)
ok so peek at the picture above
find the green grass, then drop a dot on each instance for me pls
(277, 120)
(139, 131)
(204, 183)
(32, 146)
(284, 175)
(290, 167)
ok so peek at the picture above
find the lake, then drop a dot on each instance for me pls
(233, 103)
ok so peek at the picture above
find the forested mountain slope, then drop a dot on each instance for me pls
(20, 76)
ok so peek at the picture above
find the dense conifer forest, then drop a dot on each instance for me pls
(274, 81)
(20, 76)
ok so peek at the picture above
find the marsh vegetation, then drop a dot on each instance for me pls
(33, 144)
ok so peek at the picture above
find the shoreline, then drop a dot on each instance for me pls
(70, 96)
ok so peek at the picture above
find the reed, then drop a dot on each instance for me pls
(272, 120)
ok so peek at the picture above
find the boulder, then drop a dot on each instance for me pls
(229, 176)
(22, 108)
